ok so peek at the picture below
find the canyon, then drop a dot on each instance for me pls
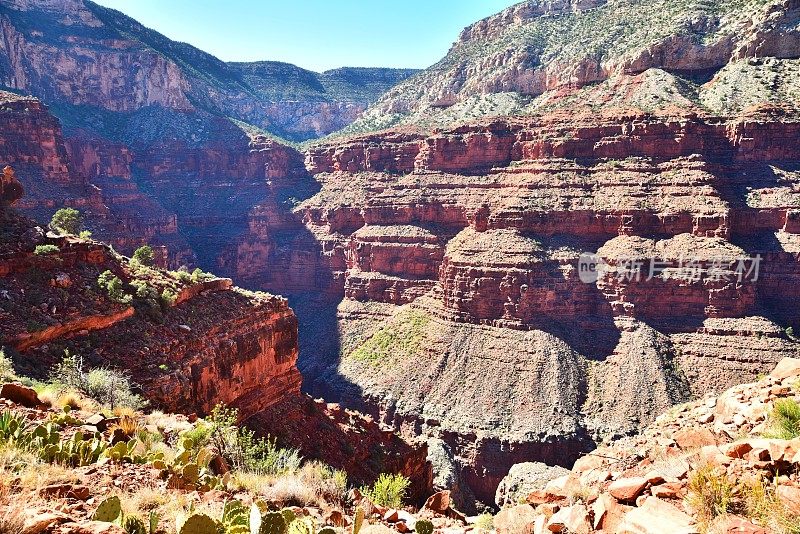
(514, 255)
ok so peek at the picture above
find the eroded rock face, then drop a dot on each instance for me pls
(111, 63)
(467, 312)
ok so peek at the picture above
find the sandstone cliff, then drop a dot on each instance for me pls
(85, 55)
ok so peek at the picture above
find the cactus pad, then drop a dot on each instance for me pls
(424, 526)
(108, 510)
(198, 524)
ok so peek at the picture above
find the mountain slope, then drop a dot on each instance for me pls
(80, 53)
(500, 65)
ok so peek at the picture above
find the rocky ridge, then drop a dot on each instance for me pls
(653, 482)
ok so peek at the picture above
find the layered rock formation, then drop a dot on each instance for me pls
(189, 343)
(88, 56)
(216, 344)
(512, 62)
(520, 287)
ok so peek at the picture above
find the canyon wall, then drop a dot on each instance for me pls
(518, 288)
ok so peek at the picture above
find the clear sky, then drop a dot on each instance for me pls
(315, 34)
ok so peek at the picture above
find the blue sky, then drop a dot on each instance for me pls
(315, 34)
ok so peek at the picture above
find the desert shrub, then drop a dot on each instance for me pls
(113, 287)
(760, 502)
(784, 420)
(199, 276)
(169, 297)
(85, 234)
(106, 386)
(485, 522)
(388, 491)
(7, 373)
(710, 494)
(328, 483)
(66, 221)
(182, 275)
(144, 255)
(241, 448)
(44, 250)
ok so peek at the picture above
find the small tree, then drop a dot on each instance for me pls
(67, 221)
(144, 255)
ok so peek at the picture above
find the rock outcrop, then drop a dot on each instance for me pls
(664, 479)
(189, 343)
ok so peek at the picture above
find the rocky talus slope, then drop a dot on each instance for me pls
(719, 464)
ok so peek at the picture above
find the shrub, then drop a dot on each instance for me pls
(710, 494)
(784, 420)
(144, 255)
(113, 287)
(7, 373)
(66, 221)
(169, 297)
(85, 234)
(241, 448)
(198, 276)
(106, 386)
(44, 250)
(388, 491)
(485, 522)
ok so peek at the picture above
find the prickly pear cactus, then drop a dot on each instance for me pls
(327, 530)
(133, 525)
(301, 526)
(191, 473)
(424, 527)
(358, 519)
(198, 524)
(108, 510)
(235, 519)
(272, 523)
(288, 516)
(153, 522)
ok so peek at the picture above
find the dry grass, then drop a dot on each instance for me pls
(711, 494)
(761, 503)
(315, 484)
(128, 425)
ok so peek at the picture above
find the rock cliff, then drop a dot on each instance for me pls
(520, 287)
(88, 56)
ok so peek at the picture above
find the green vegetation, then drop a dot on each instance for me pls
(107, 386)
(239, 446)
(113, 287)
(169, 297)
(67, 221)
(784, 420)
(7, 373)
(388, 491)
(45, 250)
(144, 255)
(402, 338)
(485, 522)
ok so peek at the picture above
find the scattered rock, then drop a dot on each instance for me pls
(523, 479)
(19, 394)
(627, 489)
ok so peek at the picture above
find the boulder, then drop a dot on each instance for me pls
(517, 520)
(19, 394)
(694, 438)
(37, 521)
(786, 368)
(524, 479)
(627, 489)
(657, 517)
(573, 519)
(438, 502)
